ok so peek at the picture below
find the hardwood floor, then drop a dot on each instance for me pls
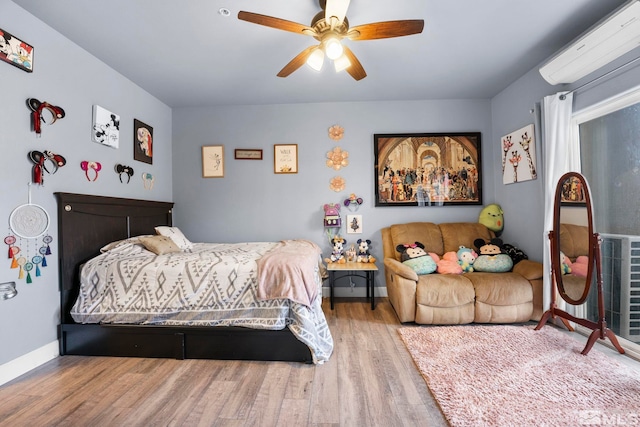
(370, 380)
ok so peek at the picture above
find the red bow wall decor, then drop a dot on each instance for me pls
(37, 108)
(43, 161)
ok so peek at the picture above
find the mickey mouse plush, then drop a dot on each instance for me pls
(363, 254)
(414, 255)
(491, 258)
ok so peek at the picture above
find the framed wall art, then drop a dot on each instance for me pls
(427, 169)
(142, 142)
(15, 51)
(285, 158)
(106, 127)
(354, 224)
(248, 154)
(213, 161)
(519, 156)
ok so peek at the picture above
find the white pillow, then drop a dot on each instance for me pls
(176, 235)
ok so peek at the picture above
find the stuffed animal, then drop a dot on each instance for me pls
(466, 258)
(337, 255)
(448, 264)
(516, 254)
(414, 256)
(492, 217)
(565, 264)
(363, 254)
(580, 266)
(351, 253)
(491, 258)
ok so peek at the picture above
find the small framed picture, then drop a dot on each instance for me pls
(142, 142)
(15, 51)
(213, 161)
(285, 158)
(354, 224)
(106, 127)
(248, 154)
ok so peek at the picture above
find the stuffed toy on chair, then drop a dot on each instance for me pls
(337, 255)
(414, 256)
(448, 264)
(491, 258)
(466, 258)
(580, 266)
(363, 254)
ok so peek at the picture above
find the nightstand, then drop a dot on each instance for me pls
(354, 269)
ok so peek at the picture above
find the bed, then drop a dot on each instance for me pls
(86, 224)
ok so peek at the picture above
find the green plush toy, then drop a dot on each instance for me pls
(492, 217)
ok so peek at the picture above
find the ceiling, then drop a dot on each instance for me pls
(187, 54)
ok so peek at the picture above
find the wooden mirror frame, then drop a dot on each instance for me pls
(599, 328)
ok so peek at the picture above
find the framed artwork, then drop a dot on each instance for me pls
(213, 161)
(285, 158)
(248, 154)
(572, 193)
(427, 169)
(519, 148)
(142, 142)
(106, 127)
(15, 51)
(354, 224)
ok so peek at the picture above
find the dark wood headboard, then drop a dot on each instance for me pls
(86, 223)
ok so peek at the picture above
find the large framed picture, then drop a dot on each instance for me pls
(427, 169)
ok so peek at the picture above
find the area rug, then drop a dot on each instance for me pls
(515, 376)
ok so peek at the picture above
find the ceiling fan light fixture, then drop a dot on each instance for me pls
(336, 9)
(341, 63)
(333, 48)
(316, 59)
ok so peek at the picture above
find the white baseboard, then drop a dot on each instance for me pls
(23, 364)
(357, 292)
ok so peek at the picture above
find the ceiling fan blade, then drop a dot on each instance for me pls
(355, 69)
(297, 62)
(385, 30)
(337, 8)
(277, 23)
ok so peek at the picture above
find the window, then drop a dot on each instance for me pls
(609, 136)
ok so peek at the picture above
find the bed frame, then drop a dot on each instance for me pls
(85, 224)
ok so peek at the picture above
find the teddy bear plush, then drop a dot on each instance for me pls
(466, 258)
(491, 258)
(414, 256)
(363, 254)
(337, 254)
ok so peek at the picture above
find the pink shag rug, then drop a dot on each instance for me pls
(508, 375)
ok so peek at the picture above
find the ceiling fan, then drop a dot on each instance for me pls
(329, 27)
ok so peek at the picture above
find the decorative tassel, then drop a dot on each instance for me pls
(37, 271)
(29, 278)
(10, 252)
(21, 274)
(48, 251)
(14, 263)
(44, 262)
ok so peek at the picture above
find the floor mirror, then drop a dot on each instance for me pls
(576, 267)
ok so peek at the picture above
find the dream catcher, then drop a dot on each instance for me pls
(29, 221)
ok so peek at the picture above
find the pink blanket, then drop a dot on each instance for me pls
(288, 271)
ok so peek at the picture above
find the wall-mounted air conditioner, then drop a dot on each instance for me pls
(609, 39)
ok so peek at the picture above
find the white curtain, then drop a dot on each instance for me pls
(561, 154)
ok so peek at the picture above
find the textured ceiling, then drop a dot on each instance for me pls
(187, 54)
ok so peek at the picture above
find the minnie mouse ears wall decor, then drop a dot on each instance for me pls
(43, 112)
(124, 170)
(90, 166)
(46, 161)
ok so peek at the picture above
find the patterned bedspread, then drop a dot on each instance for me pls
(211, 284)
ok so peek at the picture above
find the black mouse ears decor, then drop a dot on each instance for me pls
(43, 112)
(124, 170)
(46, 161)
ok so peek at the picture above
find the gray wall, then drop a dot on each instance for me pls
(67, 76)
(511, 109)
(252, 203)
